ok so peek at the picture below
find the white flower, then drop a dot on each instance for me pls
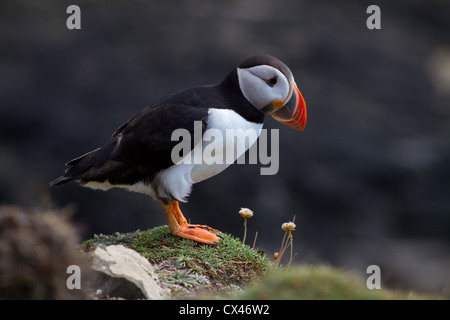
(288, 226)
(246, 213)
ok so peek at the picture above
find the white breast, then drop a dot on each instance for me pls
(236, 134)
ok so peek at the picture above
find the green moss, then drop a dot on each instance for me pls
(185, 262)
(188, 268)
(319, 282)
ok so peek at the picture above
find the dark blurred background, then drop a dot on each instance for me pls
(368, 180)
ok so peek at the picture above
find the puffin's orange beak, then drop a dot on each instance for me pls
(293, 110)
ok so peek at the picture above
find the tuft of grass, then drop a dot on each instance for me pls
(185, 262)
(303, 282)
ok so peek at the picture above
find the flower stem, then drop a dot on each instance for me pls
(245, 230)
(292, 248)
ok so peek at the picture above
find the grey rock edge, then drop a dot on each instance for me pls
(124, 273)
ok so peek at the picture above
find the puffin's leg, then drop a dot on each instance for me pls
(183, 222)
(178, 226)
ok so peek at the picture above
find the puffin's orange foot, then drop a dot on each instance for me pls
(198, 234)
(201, 226)
(178, 226)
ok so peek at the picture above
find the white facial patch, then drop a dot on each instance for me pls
(254, 86)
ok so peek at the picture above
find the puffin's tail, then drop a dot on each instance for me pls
(77, 168)
(99, 165)
(60, 181)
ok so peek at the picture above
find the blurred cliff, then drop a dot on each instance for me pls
(36, 248)
(368, 180)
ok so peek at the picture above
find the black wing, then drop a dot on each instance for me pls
(139, 148)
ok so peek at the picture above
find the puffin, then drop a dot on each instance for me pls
(139, 155)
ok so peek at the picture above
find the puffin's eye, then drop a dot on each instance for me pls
(272, 81)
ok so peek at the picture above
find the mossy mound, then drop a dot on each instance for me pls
(187, 267)
(303, 282)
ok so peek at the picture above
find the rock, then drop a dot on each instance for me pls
(124, 273)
